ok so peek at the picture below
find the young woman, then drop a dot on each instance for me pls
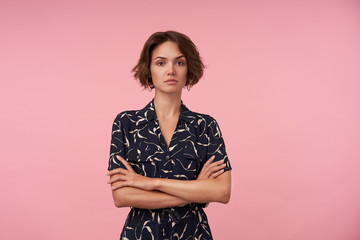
(167, 162)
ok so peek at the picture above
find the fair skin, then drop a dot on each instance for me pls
(169, 71)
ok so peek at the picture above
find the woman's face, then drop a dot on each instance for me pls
(168, 68)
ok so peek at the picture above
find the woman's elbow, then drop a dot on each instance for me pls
(119, 201)
(225, 194)
(224, 188)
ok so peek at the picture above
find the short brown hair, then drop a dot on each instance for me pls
(186, 46)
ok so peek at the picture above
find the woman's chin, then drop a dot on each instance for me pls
(169, 90)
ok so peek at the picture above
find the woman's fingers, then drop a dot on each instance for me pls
(118, 185)
(217, 168)
(204, 173)
(216, 174)
(210, 168)
(126, 164)
(116, 178)
(117, 171)
(214, 166)
(208, 162)
(121, 177)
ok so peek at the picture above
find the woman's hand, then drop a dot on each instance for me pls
(212, 169)
(128, 178)
(212, 185)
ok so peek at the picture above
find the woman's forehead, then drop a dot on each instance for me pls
(167, 50)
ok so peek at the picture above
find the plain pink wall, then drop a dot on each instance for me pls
(282, 79)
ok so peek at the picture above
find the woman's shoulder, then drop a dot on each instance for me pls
(128, 116)
(204, 120)
(203, 116)
(137, 116)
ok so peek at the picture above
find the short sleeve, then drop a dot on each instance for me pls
(216, 144)
(117, 146)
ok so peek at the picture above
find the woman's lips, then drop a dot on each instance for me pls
(171, 81)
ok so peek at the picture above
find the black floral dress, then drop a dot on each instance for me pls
(136, 136)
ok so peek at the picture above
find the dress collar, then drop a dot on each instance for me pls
(148, 112)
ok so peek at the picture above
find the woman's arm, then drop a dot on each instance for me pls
(200, 190)
(212, 184)
(139, 198)
(127, 196)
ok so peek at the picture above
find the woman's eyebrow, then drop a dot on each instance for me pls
(160, 57)
(180, 56)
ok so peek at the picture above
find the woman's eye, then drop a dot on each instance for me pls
(160, 63)
(181, 63)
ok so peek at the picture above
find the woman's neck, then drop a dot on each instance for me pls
(167, 105)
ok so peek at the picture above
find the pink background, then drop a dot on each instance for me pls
(282, 79)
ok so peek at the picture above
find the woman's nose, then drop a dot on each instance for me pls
(171, 69)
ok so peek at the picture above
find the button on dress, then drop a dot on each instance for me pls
(136, 137)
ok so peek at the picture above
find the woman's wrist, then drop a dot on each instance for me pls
(155, 183)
